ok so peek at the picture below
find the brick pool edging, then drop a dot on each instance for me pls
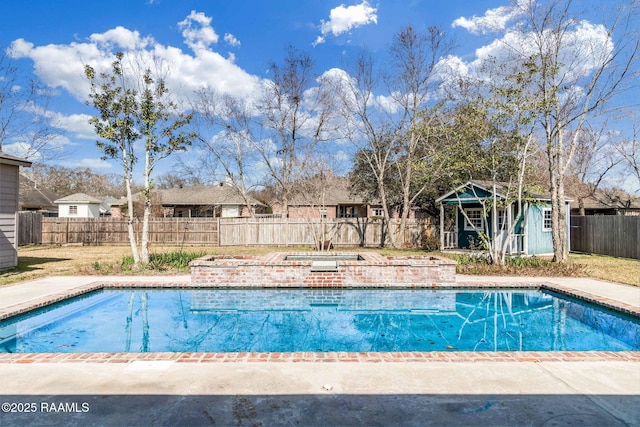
(329, 357)
(363, 357)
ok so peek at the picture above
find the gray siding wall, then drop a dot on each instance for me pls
(8, 207)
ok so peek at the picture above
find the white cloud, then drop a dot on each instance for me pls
(62, 65)
(318, 41)
(197, 31)
(77, 124)
(493, 19)
(23, 150)
(231, 40)
(26, 146)
(344, 18)
(87, 163)
(388, 104)
(341, 156)
(19, 47)
(120, 37)
(585, 46)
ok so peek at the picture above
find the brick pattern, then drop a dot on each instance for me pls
(274, 270)
(334, 357)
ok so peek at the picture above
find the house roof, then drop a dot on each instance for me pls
(31, 196)
(606, 200)
(486, 187)
(218, 195)
(8, 159)
(78, 198)
(106, 203)
(336, 192)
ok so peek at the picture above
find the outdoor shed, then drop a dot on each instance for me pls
(464, 213)
(9, 190)
(78, 205)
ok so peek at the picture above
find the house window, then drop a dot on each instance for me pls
(323, 212)
(73, 210)
(546, 219)
(473, 220)
(377, 212)
(348, 212)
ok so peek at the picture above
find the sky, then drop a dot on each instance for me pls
(227, 45)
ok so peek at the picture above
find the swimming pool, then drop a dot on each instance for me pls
(319, 320)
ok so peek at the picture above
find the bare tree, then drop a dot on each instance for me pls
(296, 115)
(65, 181)
(233, 148)
(312, 191)
(572, 83)
(592, 161)
(278, 132)
(23, 113)
(372, 132)
(414, 58)
(629, 152)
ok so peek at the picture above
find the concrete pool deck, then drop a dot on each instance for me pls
(599, 389)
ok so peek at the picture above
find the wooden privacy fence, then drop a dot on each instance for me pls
(613, 235)
(238, 231)
(366, 232)
(29, 228)
(114, 231)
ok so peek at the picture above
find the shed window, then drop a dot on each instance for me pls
(473, 220)
(377, 212)
(546, 220)
(73, 210)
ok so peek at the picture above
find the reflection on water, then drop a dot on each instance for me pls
(320, 320)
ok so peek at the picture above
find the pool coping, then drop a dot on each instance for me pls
(297, 357)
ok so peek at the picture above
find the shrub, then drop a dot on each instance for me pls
(521, 266)
(176, 260)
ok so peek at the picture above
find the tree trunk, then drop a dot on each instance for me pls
(130, 229)
(558, 217)
(144, 255)
(387, 214)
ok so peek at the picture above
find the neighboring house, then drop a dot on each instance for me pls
(335, 200)
(105, 205)
(222, 201)
(78, 205)
(608, 203)
(32, 198)
(9, 191)
(532, 233)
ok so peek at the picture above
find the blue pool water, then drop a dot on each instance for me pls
(319, 320)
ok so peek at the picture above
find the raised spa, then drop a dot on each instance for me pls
(322, 270)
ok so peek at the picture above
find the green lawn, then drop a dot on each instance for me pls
(41, 261)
